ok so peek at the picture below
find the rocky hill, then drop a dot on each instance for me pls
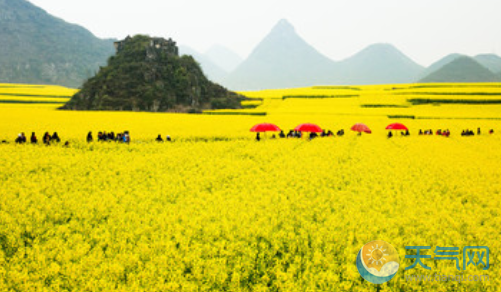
(147, 74)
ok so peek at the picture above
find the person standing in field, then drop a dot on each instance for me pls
(55, 137)
(258, 138)
(20, 138)
(46, 138)
(33, 138)
(126, 137)
(159, 138)
(89, 137)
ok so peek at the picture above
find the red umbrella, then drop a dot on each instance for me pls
(361, 128)
(308, 128)
(396, 126)
(265, 127)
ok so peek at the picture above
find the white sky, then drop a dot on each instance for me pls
(424, 30)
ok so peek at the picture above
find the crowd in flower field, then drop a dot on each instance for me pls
(124, 137)
(109, 137)
(46, 139)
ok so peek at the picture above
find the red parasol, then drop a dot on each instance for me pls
(361, 128)
(396, 126)
(265, 127)
(312, 128)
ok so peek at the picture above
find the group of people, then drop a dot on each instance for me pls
(125, 136)
(425, 132)
(406, 133)
(447, 133)
(469, 132)
(120, 137)
(298, 134)
(327, 133)
(439, 132)
(46, 139)
(160, 139)
(109, 137)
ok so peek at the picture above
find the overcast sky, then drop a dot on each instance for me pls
(425, 30)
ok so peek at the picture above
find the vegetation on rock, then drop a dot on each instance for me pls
(147, 74)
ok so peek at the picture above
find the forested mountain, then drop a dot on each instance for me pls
(42, 49)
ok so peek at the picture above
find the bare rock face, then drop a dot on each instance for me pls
(147, 74)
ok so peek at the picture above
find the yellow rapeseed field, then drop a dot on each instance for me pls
(215, 210)
(25, 93)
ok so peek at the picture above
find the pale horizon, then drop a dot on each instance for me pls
(425, 31)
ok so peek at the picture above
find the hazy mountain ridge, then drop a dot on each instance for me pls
(490, 61)
(467, 71)
(40, 48)
(461, 69)
(282, 59)
(211, 69)
(438, 65)
(224, 57)
(378, 63)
